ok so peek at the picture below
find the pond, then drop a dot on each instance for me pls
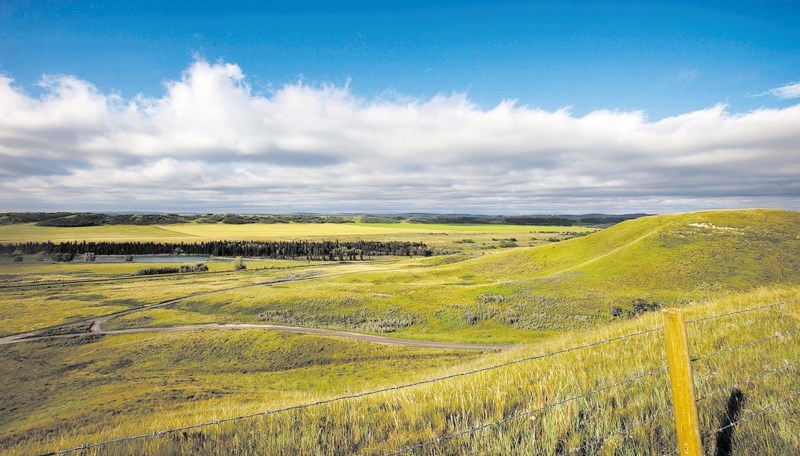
(121, 259)
(152, 259)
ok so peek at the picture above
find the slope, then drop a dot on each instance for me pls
(528, 293)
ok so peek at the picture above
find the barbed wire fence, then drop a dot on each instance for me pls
(354, 396)
(730, 419)
(624, 432)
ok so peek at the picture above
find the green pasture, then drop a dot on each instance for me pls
(542, 296)
(204, 232)
(166, 380)
(88, 386)
(523, 295)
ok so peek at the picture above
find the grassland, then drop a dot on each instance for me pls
(29, 306)
(524, 295)
(445, 237)
(545, 298)
(256, 231)
(89, 386)
(201, 377)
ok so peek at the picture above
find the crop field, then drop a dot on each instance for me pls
(197, 232)
(92, 352)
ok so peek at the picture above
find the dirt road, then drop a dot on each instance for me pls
(97, 330)
(96, 326)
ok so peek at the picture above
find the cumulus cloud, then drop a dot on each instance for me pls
(787, 92)
(210, 143)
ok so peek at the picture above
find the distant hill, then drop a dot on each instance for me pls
(667, 255)
(73, 219)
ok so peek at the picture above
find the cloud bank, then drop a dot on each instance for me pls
(211, 144)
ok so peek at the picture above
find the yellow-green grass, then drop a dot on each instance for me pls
(20, 273)
(396, 419)
(28, 308)
(29, 232)
(442, 238)
(673, 260)
(480, 228)
(31, 308)
(69, 389)
(402, 309)
(195, 232)
(526, 294)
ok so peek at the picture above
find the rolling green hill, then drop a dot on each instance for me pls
(545, 299)
(525, 294)
(723, 249)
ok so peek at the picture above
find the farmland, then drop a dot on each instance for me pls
(555, 288)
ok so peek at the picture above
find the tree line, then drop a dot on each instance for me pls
(310, 250)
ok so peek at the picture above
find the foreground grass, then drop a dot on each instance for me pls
(632, 418)
(68, 389)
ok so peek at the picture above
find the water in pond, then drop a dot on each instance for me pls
(152, 259)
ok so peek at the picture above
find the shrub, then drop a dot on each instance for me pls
(184, 268)
(491, 299)
(199, 267)
(478, 313)
(638, 307)
(64, 257)
(641, 306)
(156, 271)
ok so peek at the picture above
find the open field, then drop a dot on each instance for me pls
(448, 237)
(173, 379)
(526, 294)
(183, 376)
(73, 390)
(254, 231)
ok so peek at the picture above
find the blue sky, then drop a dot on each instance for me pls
(648, 60)
(662, 57)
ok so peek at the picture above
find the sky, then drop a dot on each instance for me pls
(399, 106)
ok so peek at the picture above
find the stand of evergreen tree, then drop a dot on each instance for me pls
(310, 250)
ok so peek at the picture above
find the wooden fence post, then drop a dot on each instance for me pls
(687, 424)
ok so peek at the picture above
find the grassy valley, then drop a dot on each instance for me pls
(610, 397)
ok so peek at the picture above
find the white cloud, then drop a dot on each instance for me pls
(787, 92)
(210, 143)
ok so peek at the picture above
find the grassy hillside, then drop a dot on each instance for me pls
(83, 387)
(610, 398)
(551, 297)
(525, 294)
(731, 249)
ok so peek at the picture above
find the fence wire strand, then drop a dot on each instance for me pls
(518, 415)
(353, 396)
(749, 381)
(746, 344)
(623, 432)
(736, 312)
(474, 429)
(753, 414)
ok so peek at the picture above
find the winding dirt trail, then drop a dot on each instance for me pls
(97, 330)
(96, 326)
